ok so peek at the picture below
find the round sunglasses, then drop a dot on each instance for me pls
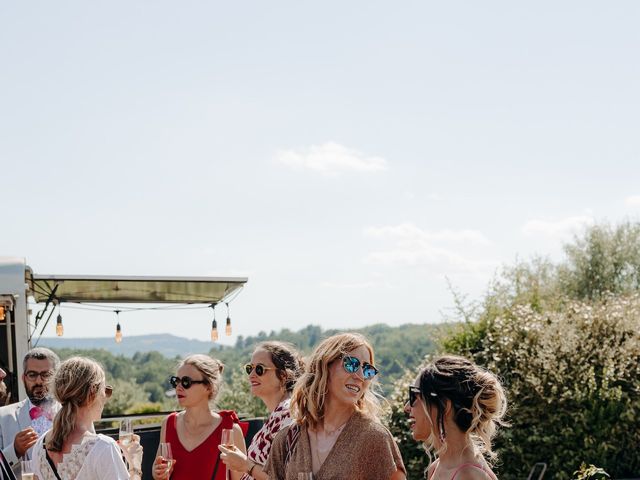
(186, 382)
(353, 364)
(259, 368)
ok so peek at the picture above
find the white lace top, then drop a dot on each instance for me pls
(98, 457)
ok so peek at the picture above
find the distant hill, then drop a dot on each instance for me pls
(168, 345)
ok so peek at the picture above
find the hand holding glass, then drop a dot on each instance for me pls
(165, 453)
(227, 442)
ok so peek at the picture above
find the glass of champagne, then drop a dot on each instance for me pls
(227, 442)
(305, 476)
(126, 432)
(165, 453)
(27, 470)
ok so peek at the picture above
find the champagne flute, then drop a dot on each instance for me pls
(227, 442)
(126, 432)
(305, 476)
(165, 453)
(27, 470)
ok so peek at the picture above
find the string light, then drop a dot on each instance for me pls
(2, 314)
(214, 325)
(59, 326)
(118, 328)
(227, 329)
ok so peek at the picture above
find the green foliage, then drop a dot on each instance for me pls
(590, 472)
(140, 383)
(565, 340)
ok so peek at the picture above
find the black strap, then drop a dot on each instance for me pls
(51, 464)
(215, 470)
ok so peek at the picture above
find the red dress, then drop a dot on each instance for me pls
(199, 463)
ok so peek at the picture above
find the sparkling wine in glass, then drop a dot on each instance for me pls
(305, 476)
(27, 470)
(227, 442)
(126, 432)
(166, 454)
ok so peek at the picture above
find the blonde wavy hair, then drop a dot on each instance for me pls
(210, 368)
(477, 401)
(75, 384)
(309, 393)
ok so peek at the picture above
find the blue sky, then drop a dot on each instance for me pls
(346, 156)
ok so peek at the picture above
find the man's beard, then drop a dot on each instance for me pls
(39, 397)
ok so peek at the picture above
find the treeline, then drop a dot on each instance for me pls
(141, 382)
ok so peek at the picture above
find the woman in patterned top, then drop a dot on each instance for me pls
(273, 371)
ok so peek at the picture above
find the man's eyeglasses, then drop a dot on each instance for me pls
(414, 393)
(33, 375)
(186, 382)
(352, 365)
(259, 368)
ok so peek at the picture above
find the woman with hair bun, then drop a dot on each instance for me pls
(71, 450)
(454, 407)
(273, 371)
(337, 432)
(195, 433)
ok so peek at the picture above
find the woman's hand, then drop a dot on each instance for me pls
(162, 468)
(235, 459)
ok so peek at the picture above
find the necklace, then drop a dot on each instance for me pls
(336, 430)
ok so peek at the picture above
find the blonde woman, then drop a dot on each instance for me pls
(337, 433)
(195, 433)
(71, 450)
(454, 407)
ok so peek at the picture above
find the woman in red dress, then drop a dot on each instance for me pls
(196, 432)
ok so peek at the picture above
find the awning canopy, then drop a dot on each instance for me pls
(116, 289)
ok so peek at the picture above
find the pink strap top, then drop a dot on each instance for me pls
(464, 465)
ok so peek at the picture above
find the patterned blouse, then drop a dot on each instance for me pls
(260, 446)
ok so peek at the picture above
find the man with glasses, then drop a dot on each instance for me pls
(22, 423)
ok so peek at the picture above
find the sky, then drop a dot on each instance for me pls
(350, 158)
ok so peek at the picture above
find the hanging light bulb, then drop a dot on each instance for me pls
(118, 328)
(214, 331)
(227, 329)
(59, 327)
(2, 314)
(214, 325)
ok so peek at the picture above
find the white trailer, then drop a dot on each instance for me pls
(18, 283)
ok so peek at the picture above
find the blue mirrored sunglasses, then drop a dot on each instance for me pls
(352, 364)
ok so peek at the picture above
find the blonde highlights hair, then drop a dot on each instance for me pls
(75, 384)
(309, 393)
(210, 368)
(476, 398)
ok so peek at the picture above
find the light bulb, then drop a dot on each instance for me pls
(227, 329)
(214, 331)
(2, 314)
(118, 333)
(59, 327)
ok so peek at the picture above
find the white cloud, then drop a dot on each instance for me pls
(562, 228)
(633, 201)
(412, 233)
(331, 159)
(414, 246)
(349, 286)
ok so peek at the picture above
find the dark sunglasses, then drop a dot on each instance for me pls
(259, 368)
(414, 393)
(186, 382)
(352, 364)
